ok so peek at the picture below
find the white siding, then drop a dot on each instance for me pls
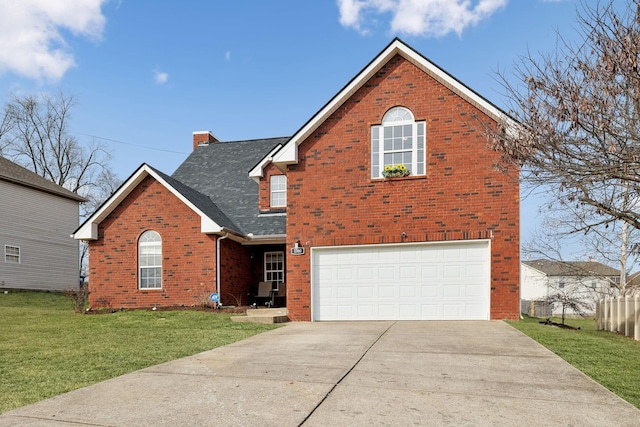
(40, 224)
(533, 283)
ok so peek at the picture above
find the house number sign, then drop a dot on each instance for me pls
(297, 250)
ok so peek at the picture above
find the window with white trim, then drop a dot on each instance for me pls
(274, 267)
(11, 254)
(278, 191)
(150, 260)
(399, 140)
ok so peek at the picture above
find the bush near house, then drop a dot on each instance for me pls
(610, 359)
(46, 349)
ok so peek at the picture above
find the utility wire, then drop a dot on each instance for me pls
(132, 144)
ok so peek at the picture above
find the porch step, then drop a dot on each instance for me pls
(263, 315)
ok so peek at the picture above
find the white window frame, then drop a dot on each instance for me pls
(12, 258)
(395, 123)
(271, 274)
(152, 258)
(278, 191)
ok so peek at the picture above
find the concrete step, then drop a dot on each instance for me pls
(263, 315)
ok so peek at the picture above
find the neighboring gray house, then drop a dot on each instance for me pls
(587, 280)
(37, 218)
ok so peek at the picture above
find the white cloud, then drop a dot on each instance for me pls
(434, 18)
(227, 55)
(160, 77)
(31, 43)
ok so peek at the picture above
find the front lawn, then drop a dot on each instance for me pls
(46, 349)
(610, 359)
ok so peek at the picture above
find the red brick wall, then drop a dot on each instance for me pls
(461, 197)
(236, 275)
(189, 257)
(265, 188)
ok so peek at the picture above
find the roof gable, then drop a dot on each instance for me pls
(212, 218)
(12, 172)
(288, 154)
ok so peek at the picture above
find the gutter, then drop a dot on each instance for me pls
(218, 240)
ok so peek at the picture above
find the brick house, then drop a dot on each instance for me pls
(316, 211)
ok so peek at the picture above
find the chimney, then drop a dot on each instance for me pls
(203, 137)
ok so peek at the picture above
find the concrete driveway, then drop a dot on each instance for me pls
(349, 374)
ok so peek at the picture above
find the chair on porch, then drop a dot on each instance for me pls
(264, 294)
(280, 296)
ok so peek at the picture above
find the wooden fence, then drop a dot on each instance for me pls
(536, 308)
(621, 315)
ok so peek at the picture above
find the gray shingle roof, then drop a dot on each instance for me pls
(572, 268)
(201, 201)
(220, 171)
(15, 173)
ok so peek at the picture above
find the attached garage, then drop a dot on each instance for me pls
(421, 281)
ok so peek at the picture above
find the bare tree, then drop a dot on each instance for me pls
(576, 119)
(34, 132)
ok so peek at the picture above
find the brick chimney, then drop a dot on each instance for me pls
(203, 137)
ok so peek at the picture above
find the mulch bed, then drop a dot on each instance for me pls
(559, 325)
(230, 310)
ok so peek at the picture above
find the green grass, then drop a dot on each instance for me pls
(46, 349)
(610, 359)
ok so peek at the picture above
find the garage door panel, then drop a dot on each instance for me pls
(429, 291)
(408, 291)
(404, 282)
(474, 290)
(365, 291)
(386, 272)
(386, 291)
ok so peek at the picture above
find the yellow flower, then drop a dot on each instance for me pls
(387, 168)
(402, 167)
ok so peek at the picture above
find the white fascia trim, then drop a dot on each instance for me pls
(89, 230)
(257, 172)
(266, 239)
(289, 154)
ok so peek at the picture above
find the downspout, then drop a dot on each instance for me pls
(218, 240)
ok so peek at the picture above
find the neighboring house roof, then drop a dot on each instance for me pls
(288, 154)
(12, 172)
(213, 182)
(219, 170)
(572, 268)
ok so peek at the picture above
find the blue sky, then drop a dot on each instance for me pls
(148, 74)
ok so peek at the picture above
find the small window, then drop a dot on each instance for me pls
(11, 254)
(274, 267)
(278, 190)
(150, 260)
(399, 140)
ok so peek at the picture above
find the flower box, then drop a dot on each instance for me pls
(396, 171)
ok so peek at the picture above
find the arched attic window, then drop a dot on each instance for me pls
(150, 260)
(398, 140)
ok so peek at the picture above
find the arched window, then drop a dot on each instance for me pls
(398, 140)
(150, 260)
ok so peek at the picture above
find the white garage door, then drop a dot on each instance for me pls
(436, 281)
